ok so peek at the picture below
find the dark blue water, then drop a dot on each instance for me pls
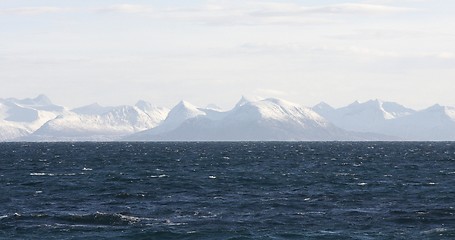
(227, 190)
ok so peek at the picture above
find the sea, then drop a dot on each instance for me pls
(227, 190)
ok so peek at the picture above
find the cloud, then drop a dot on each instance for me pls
(33, 10)
(378, 58)
(357, 8)
(255, 13)
(126, 8)
(296, 48)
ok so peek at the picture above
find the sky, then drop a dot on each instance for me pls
(213, 52)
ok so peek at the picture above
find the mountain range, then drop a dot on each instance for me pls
(271, 119)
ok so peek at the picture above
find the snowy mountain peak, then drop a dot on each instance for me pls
(42, 100)
(151, 109)
(143, 105)
(185, 104)
(388, 110)
(369, 116)
(323, 106)
(443, 111)
(181, 112)
(275, 109)
(435, 107)
(244, 100)
(325, 110)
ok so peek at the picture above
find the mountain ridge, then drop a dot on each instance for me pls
(251, 119)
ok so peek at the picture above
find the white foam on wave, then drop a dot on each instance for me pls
(38, 174)
(130, 219)
(159, 176)
(52, 174)
(435, 230)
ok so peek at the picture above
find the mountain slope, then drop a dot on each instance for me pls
(86, 125)
(178, 114)
(436, 123)
(21, 117)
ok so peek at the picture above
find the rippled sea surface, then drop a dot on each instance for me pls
(251, 190)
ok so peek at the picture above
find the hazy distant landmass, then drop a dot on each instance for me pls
(38, 119)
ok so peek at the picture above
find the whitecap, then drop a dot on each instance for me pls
(130, 219)
(37, 174)
(170, 223)
(435, 230)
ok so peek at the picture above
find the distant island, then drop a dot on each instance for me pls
(271, 119)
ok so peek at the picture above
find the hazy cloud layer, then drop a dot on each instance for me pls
(117, 52)
(252, 13)
(33, 10)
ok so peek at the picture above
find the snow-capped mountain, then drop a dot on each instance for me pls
(21, 117)
(370, 116)
(97, 123)
(434, 123)
(251, 119)
(264, 120)
(178, 114)
(156, 114)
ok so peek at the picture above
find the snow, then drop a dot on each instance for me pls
(181, 112)
(263, 120)
(38, 119)
(19, 118)
(156, 114)
(434, 123)
(450, 111)
(370, 116)
(85, 125)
